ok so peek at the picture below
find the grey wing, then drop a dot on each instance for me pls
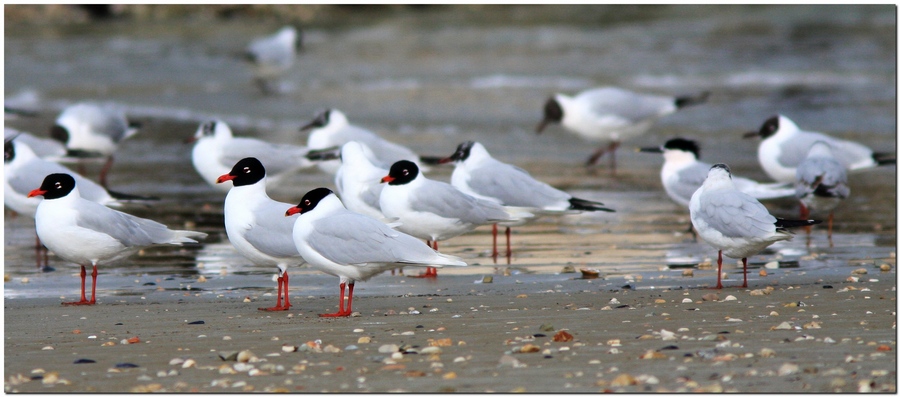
(366, 241)
(632, 106)
(689, 180)
(273, 232)
(129, 230)
(276, 158)
(372, 196)
(795, 150)
(449, 202)
(110, 122)
(736, 214)
(828, 172)
(270, 50)
(514, 186)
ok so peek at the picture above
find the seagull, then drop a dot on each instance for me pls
(216, 151)
(733, 222)
(683, 173)
(611, 115)
(272, 56)
(91, 130)
(353, 246)
(358, 180)
(82, 231)
(784, 146)
(821, 183)
(23, 170)
(434, 211)
(45, 148)
(253, 226)
(481, 176)
(331, 128)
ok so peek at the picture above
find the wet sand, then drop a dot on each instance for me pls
(453, 335)
(815, 319)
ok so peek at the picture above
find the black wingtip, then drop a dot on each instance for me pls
(690, 100)
(885, 158)
(790, 223)
(587, 205)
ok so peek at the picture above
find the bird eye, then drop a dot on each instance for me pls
(246, 170)
(405, 172)
(306, 203)
(57, 185)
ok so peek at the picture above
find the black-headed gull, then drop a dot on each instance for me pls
(91, 130)
(784, 146)
(272, 56)
(254, 227)
(85, 232)
(611, 115)
(435, 211)
(821, 183)
(353, 246)
(331, 128)
(682, 174)
(23, 170)
(358, 180)
(484, 177)
(216, 150)
(733, 222)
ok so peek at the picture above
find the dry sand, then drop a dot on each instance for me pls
(453, 335)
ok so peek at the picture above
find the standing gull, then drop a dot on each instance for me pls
(352, 246)
(734, 222)
(821, 183)
(90, 130)
(85, 232)
(682, 174)
(611, 115)
(484, 177)
(254, 227)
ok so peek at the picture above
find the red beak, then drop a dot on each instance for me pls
(36, 192)
(292, 211)
(225, 178)
(191, 139)
(387, 179)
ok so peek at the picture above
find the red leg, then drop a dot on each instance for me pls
(719, 276)
(612, 156)
(745, 272)
(287, 303)
(340, 312)
(83, 300)
(350, 299)
(278, 306)
(595, 156)
(105, 170)
(494, 234)
(508, 247)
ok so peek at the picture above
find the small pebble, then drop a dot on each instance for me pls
(387, 348)
(364, 340)
(47, 348)
(686, 300)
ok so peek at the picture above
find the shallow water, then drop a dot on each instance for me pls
(435, 77)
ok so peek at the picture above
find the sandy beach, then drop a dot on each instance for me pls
(519, 333)
(819, 316)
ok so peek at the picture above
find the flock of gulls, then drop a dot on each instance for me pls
(384, 205)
